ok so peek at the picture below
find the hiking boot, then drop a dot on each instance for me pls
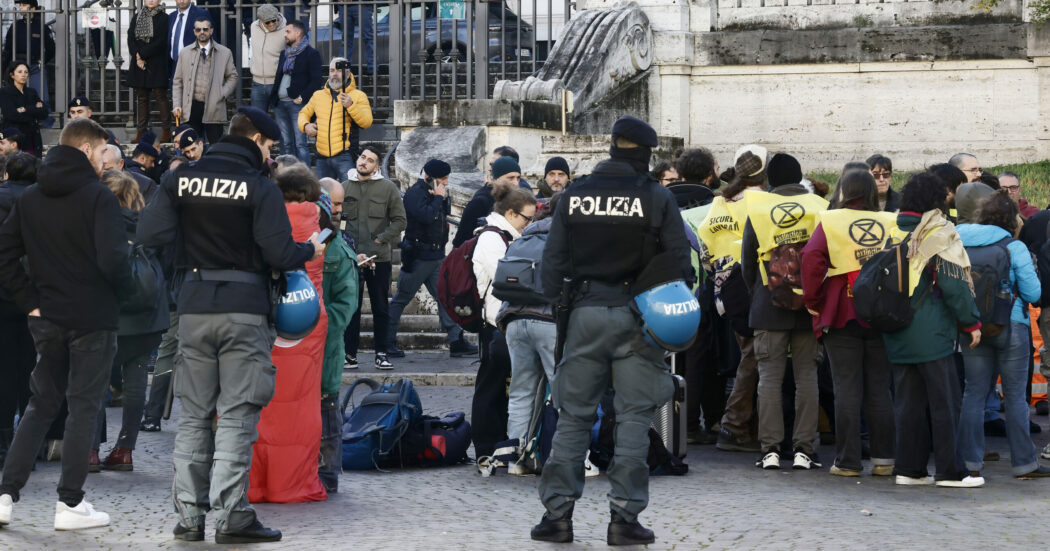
(835, 470)
(149, 424)
(79, 517)
(806, 461)
(769, 461)
(729, 442)
(351, 362)
(382, 362)
(460, 348)
(622, 532)
(196, 533)
(395, 352)
(118, 460)
(253, 533)
(94, 466)
(554, 530)
(882, 470)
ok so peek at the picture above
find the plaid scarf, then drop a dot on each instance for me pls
(291, 51)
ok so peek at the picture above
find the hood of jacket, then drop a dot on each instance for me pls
(501, 222)
(353, 175)
(65, 169)
(980, 235)
(258, 24)
(540, 226)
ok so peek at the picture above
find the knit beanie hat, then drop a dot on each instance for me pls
(504, 165)
(783, 170)
(557, 163)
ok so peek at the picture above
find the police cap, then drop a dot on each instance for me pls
(11, 133)
(79, 101)
(634, 130)
(266, 125)
(145, 147)
(188, 138)
(437, 169)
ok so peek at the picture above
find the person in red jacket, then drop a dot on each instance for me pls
(859, 366)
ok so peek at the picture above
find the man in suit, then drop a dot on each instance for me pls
(205, 78)
(180, 28)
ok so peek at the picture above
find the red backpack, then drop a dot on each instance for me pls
(458, 288)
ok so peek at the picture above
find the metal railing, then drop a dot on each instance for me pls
(400, 49)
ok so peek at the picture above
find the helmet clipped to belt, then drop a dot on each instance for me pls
(669, 311)
(299, 310)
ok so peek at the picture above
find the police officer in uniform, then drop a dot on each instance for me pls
(231, 230)
(605, 231)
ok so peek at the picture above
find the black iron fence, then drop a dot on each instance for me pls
(398, 49)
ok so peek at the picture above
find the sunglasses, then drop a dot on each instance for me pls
(201, 29)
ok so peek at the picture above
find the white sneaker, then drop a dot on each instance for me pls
(589, 469)
(911, 481)
(968, 482)
(769, 461)
(79, 517)
(1045, 454)
(803, 461)
(6, 506)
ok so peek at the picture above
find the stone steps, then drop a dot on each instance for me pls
(414, 341)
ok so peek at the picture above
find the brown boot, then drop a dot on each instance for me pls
(93, 465)
(165, 136)
(118, 460)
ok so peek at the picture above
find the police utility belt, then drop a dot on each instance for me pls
(590, 286)
(233, 276)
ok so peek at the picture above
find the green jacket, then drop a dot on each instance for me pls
(374, 210)
(944, 309)
(693, 218)
(339, 287)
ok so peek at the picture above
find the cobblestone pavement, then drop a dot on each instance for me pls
(723, 503)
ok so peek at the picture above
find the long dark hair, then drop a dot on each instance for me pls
(856, 190)
(11, 70)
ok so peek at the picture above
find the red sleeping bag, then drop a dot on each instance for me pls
(284, 458)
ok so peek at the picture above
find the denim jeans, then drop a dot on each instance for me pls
(531, 343)
(293, 142)
(1009, 352)
(336, 167)
(261, 97)
(424, 272)
(38, 82)
(352, 16)
(72, 365)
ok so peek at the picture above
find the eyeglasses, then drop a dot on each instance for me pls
(1010, 189)
(976, 169)
(529, 218)
(270, 22)
(201, 29)
(882, 175)
(669, 180)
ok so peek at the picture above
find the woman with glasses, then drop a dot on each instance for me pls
(148, 71)
(881, 168)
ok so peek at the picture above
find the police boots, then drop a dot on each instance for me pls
(554, 530)
(622, 532)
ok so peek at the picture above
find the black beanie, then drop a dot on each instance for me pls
(557, 163)
(783, 169)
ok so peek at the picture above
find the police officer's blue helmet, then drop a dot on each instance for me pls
(670, 315)
(299, 309)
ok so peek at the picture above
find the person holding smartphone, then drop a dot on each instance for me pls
(426, 207)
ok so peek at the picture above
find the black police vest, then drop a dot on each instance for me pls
(215, 217)
(611, 229)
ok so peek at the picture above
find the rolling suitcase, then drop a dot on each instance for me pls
(670, 419)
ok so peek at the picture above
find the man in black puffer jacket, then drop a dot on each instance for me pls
(70, 229)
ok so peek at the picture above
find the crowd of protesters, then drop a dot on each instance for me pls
(782, 361)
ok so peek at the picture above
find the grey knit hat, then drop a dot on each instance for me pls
(268, 13)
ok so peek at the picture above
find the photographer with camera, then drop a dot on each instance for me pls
(339, 112)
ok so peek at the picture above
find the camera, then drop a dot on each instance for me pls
(342, 65)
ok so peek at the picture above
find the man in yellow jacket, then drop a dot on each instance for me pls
(339, 111)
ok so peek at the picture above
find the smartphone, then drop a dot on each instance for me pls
(326, 235)
(367, 260)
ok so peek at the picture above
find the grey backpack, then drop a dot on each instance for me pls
(517, 278)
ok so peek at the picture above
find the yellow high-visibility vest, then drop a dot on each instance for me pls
(722, 229)
(780, 220)
(854, 236)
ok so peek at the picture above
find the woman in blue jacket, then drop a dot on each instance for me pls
(997, 220)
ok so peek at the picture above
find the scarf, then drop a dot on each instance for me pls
(144, 22)
(936, 236)
(291, 51)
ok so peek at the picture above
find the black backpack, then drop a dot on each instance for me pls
(990, 269)
(880, 292)
(1042, 266)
